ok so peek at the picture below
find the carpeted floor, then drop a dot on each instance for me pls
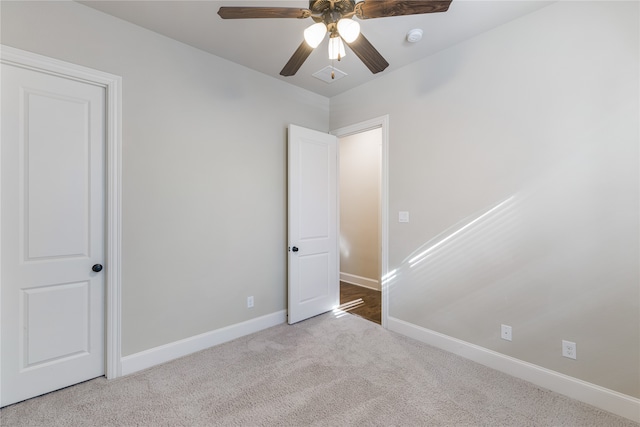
(331, 370)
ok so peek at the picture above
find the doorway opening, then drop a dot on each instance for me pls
(363, 219)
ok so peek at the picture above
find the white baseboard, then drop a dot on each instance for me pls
(360, 281)
(600, 397)
(164, 353)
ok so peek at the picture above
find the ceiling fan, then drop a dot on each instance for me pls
(335, 18)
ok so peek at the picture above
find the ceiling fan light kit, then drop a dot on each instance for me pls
(348, 29)
(336, 48)
(334, 17)
(314, 34)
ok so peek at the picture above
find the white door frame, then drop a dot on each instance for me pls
(112, 85)
(382, 123)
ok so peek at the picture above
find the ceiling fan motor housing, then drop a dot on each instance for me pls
(331, 11)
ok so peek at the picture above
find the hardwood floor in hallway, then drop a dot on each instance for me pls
(361, 301)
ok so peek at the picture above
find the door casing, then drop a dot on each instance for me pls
(112, 85)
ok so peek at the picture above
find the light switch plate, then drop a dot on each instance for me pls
(403, 216)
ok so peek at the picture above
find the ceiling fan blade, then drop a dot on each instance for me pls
(384, 8)
(368, 54)
(262, 12)
(297, 59)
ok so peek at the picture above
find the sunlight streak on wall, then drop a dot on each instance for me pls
(423, 255)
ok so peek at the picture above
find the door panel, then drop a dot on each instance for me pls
(314, 278)
(55, 311)
(52, 173)
(313, 223)
(55, 175)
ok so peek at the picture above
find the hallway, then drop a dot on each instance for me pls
(361, 301)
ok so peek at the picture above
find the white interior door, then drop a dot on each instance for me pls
(52, 229)
(314, 284)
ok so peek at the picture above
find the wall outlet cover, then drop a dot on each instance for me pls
(569, 349)
(506, 332)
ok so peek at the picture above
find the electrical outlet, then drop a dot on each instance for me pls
(250, 302)
(569, 349)
(505, 332)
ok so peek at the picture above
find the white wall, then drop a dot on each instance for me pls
(517, 155)
(360, 165)
(204, 185)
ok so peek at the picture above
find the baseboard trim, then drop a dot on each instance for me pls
(360, 281)
(600, 397)
(164, 353)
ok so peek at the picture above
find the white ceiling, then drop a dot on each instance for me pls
(265, 45)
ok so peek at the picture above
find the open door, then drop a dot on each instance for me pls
(313, 274)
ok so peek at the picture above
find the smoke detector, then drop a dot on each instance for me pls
(414, 36)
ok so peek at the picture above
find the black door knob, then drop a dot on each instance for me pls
(294, 249)
(97, 268)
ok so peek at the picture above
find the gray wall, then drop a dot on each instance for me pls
(204, 184)
(516, 153)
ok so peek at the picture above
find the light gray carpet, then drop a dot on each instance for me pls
(326, 371)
